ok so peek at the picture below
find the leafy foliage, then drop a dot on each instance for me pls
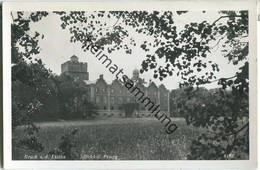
(24, 45)
(27, 73)
(74, 99)
(217, 111)
(182, 50)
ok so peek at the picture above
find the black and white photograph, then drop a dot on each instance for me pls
(130, 85)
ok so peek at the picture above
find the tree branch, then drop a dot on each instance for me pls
(227, 16)
(115, 22)
(242, 128)
(218, 42)
(229, 149)
(223, 79)
(230, 134)
(12, 16)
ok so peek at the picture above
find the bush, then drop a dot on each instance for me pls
(66, 146)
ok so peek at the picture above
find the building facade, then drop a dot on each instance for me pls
(109, 98)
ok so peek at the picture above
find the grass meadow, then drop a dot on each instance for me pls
(120, 139)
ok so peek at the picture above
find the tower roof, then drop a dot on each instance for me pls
(74, 56)
(74, 59)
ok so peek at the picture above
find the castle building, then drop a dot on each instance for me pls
(110, 97)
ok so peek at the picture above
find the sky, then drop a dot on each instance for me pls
(56, 49)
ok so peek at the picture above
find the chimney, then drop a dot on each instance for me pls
(101, 76)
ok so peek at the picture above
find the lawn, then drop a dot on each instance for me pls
(114, 138)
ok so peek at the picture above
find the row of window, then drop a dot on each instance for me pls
(103, 90)
(113, 100)
(103, 99)
(111, 108)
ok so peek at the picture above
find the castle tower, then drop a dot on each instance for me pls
(136, 78)
(75, 69)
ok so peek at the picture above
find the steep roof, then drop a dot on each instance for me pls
(74, 56)
(152, 84)
(162, 86)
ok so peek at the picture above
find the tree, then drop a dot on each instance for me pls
(185, 51)
(225, 135)
(27, 74)
(73, 98)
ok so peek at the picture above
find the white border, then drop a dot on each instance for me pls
(250, 5)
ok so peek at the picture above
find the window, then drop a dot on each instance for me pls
(97, 99)
(112, 100)
(120, 100)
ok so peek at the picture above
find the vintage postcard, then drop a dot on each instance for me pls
(130, 85)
